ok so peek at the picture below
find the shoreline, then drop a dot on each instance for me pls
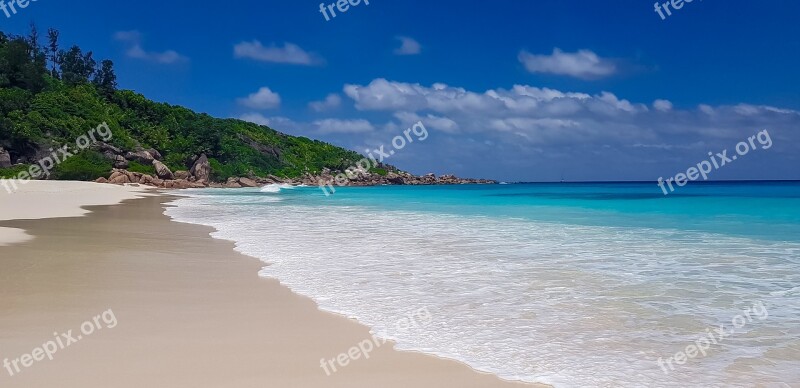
(39, 202)
(192, 312)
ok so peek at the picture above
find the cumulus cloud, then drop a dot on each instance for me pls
(264, 98)
(524, 129)
(440, 123)
(583, 64)
(662, 105)
(134, 41)
(408, 46)
(256, 118)
(381, 94)
(343, 126)
(533, 115)
(290, 53)
(332, 101)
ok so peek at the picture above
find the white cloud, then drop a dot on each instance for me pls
(662, 105)
(530, 115)
(135, 50)
(408, 46)
(707, 109)
(290, 53)
(343, 126)
(582, 64)
(382, 94)
(529, 129)
(256, 118)
(332, 101)
(264, 98)
(440, 123)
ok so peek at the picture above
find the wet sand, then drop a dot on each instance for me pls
(189, 312)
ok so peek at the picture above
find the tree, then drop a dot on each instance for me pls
(89, 66)
(33, 41)
(18, 68)
(76, 67)
(52, 35)
(105, 80)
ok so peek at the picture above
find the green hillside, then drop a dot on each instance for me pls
(50, 96)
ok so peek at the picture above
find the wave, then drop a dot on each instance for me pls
(276, 188)
(567, 305)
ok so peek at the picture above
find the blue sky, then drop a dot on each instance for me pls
(509, 89)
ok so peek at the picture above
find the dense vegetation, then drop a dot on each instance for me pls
(50, 96)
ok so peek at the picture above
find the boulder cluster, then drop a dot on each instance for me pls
(199, 175)
(392, 177)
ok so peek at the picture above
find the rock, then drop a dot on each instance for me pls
(108, 148)
(247, 182)
(135, 177)
(143, 157)
(201, 169)
(233, 183)
(120, 162)
(395, 178)
(101, 180)
(162, 171)
(182, 184)
(182, 175)
(119, 179)
(114, 174)
(154, 153)
(5, 158)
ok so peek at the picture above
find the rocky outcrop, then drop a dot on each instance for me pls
(154, 153)
(142, 157)
(247, 182)
(122, 177)
(109, 149)
(119, 178)
(5, 158)
(201, 169)
(233, 183)
(120, 162)
(392, 177)
(200, 176)
(162, 171)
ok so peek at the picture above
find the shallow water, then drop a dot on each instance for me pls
(576, 285)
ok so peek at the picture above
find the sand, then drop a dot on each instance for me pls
(187, 310)
(32, 200)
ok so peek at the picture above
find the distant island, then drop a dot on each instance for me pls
(50, 99)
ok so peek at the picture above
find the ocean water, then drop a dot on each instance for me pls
(574, 285)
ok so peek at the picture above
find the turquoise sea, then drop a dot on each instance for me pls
(571, 284)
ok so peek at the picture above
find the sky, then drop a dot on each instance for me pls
(514, 90)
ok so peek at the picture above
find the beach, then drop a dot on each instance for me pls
(188, 311)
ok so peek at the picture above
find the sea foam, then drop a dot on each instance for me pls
(568, 305)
